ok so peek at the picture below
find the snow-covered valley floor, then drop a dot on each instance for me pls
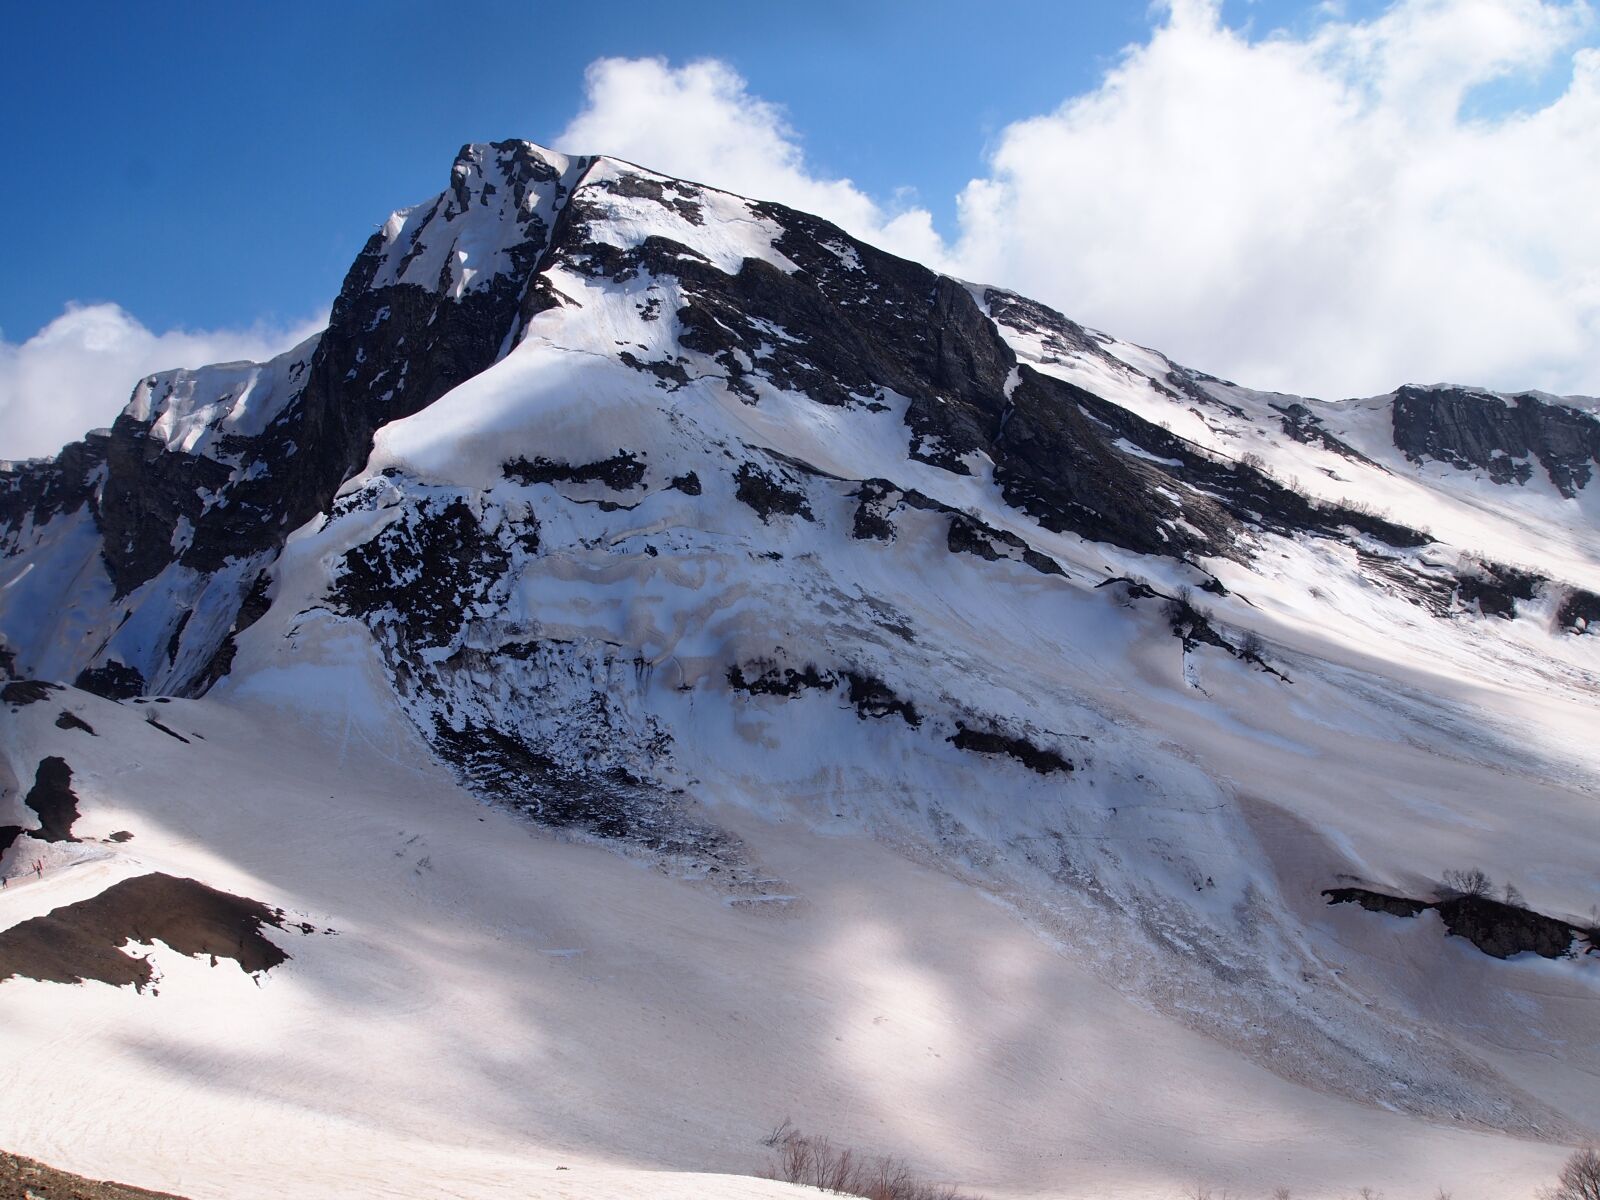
(489, 1004)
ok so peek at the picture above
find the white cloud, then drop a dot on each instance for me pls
(1316, 214)
(1311, 212)
(77, 372)
(700, 122)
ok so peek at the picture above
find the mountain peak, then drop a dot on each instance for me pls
(617, 509)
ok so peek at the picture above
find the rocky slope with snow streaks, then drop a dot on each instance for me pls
(665, 519)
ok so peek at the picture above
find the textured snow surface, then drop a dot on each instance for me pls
(659, 755)
(191, 411)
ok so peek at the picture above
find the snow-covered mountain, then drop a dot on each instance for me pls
(657, 665)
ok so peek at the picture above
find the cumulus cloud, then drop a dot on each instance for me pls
(701, 122)
(77, 372)
(1317, 212)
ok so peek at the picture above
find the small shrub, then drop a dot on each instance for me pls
(1579, 1178)
(1471, 882)
(817, 1162)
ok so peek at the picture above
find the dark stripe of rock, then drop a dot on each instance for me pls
(985, 741)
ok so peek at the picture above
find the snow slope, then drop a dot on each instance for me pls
(754, 678)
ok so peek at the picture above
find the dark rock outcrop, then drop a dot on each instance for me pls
(1395, 906)
(1496, 588)
(26, 691)
(874, 698)
(767, 493)
(390, 350)
(1499, 929)
(67, 719)
(989, 741)
(112, 679)
(421, 573)
(1475, 430)
(768, 679)
(1305, 427)
(53, 802)
(1579, 611)
(502, 766)
(620, 473)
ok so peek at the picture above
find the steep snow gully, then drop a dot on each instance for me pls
(656, 665)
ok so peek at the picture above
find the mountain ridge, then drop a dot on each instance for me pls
(621, 511)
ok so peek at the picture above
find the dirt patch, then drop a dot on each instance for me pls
(23, 1178)
(84, 941)
(71, 720)
(26, 691)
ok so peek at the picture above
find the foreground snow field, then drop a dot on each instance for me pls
(493, 1003)
(678, 669)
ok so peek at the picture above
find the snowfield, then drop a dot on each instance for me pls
(780, 684)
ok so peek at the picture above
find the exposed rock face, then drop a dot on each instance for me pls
(203, 476)
(54, 805)
(26, 691)
(1305, 427)
(1497, 588)
(1501, 930)
(422, 574)
(1475, 430)
(1498, 929)
(1395, 906)
(206, 472)
(33, 493)
(987, 741)
(1579, 611)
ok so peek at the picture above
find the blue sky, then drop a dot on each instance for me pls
(210, 164)
(1328, 198)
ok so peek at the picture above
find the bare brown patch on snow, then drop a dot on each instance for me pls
(24, 1177)
(84, 941)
